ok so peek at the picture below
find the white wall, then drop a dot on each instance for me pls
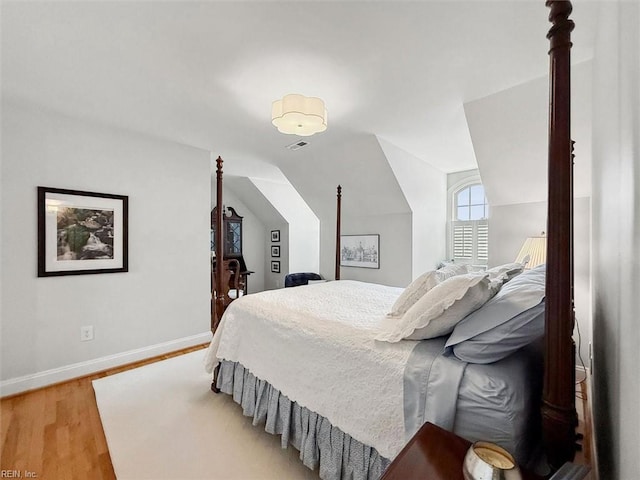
(395, 232)
(372, 203)
(303, 233)
(616, 237)
(165, 295)
(509, 133)
(457, 178)
(395, 248)
(424, 187)
(510, 225)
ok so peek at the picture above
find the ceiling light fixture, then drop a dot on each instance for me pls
(299, 115)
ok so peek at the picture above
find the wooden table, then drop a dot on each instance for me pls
(433, 454)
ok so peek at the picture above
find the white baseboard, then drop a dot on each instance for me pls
(75, 370)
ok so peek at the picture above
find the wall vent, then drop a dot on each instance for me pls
(298, 145)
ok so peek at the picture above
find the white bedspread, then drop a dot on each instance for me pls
(316, 345)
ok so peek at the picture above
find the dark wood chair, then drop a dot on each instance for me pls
(232, 286)
(234, 279)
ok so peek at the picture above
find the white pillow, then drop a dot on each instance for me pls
(441, 308)
(506, 272)
(413, 293)
(451, 270)
(311, 282)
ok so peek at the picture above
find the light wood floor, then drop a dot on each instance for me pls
(56, 433)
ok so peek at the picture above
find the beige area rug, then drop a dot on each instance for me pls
(162, 421)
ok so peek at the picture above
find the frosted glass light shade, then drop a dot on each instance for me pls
(299, 115)
(536, 248)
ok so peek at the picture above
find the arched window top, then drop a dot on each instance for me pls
(471, 203)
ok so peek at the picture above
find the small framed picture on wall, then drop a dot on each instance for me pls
(275, 235)
(275, 266)
(275, 250)
(360, 251)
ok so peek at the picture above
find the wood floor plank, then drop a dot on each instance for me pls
(6, 417)
(36, 444)
(49, 454)
(10, 440)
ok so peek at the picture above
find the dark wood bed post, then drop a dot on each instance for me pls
(338, 213)
(559, 417)
(219, 295)
(218, 308)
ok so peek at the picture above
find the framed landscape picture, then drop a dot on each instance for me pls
(81, 232)
(360, 251)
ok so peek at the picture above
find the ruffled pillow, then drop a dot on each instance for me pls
(441, 308)
(451, 270)
(413, 293)
(506, 272)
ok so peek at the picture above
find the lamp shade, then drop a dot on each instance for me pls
(536, 249)
(299, 115)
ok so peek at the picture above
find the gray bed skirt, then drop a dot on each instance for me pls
(322, 446)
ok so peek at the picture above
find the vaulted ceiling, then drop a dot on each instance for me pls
(205, 74)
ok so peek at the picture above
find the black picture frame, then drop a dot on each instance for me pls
(275, 251)
(275, 266)
(275, 235)
(362, 251)
(81, 233)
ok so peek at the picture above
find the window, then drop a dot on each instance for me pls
(471, 204)
(470, 225)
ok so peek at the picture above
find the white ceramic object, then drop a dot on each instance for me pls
(488, 461)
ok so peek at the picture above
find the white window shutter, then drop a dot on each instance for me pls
(470, 241)
(462, 240)
(482, 244)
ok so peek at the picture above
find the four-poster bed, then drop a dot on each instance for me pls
(262, 391)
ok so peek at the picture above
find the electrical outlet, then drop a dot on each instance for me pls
(86, 333)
